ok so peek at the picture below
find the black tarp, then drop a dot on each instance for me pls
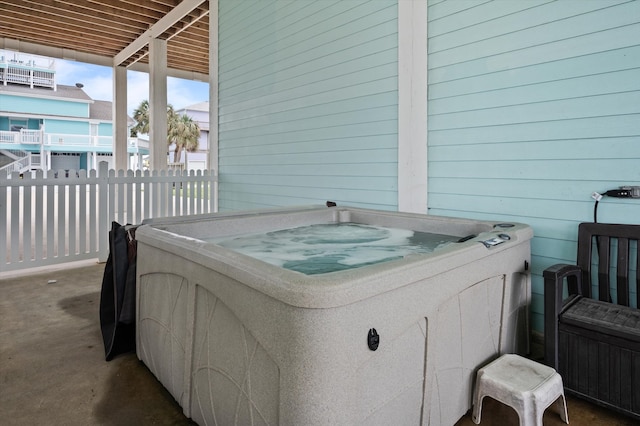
(118, 294)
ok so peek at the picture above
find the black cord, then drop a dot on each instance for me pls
(595, 212)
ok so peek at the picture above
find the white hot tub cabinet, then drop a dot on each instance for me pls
(238, 341)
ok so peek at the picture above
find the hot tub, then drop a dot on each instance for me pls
(241, 341)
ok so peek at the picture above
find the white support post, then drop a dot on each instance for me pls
(158, 104)
(212, 159)
(120, 133)
(412, 106)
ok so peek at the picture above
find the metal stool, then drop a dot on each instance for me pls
(525, 385)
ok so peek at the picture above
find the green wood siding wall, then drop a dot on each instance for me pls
(307, 103)
(533, 105)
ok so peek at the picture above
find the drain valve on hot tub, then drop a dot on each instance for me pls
(373, 339)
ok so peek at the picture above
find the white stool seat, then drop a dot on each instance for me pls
(525, 385)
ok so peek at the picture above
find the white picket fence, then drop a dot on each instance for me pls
(47, 220)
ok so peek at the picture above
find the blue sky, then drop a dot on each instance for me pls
(97, 81)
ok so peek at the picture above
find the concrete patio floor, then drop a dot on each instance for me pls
(52, 367)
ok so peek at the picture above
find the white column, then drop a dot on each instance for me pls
(412, 106)
(212, 160)
(120, 132)
(158, 104)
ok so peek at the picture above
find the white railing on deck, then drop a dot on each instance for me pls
(38, 137)
(31, 136)
(23, 136)
(49, 220)
(25, 71)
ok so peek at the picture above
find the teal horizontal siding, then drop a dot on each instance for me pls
(314, 144)
(17, 103)
(533, 105)
(528, 209)
(66, 127)
(319, 171)
(319, 72)
(594, 85)
(308, 103)
(615, 38)
(316, 133)
(346, 93)
(266, 195)
(299, 27)
(624, 169)
(314, 157)
(562, 70)
(442, 9)
(105, 129)
(614, 104)
(306, 118)
(447, 33)
(578, 128)
(565, 190)
(544, 27)
(573, 149)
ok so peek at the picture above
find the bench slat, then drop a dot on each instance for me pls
(604, 252)
(623, 271)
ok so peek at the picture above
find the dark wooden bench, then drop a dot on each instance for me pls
(591, 321)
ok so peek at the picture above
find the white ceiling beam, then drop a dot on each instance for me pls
(202, 15)
(166, 22)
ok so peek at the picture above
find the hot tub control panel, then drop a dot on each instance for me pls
(500, 238)
(495, 240)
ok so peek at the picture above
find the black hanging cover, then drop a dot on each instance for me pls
(118, 294)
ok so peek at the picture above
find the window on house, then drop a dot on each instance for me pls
(17, 125)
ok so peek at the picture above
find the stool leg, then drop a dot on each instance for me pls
(560, 406)
(477, 409)
(529, 411)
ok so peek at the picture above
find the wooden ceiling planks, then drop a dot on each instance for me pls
(106, 27)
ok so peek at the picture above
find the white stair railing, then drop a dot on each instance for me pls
(21, 163)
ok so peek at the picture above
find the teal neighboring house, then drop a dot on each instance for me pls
(49, 126)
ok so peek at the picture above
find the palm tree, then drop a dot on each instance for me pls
(184, 132)
(141, 116)
(181, 129)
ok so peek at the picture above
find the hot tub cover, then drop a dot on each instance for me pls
(118, 293)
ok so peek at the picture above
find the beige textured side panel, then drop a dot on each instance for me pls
(162, 319)
(234, 380)
(390, 384)
(465, 335)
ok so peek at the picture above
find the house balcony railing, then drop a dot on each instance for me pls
(137, 144)
(17, 71)
(61, 140)
(76, 141)
(23, 137)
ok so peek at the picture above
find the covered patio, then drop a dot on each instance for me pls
(52, 367)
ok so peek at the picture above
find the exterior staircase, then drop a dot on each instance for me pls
(15, 161)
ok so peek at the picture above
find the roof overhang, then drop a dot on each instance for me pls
(111, 32)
